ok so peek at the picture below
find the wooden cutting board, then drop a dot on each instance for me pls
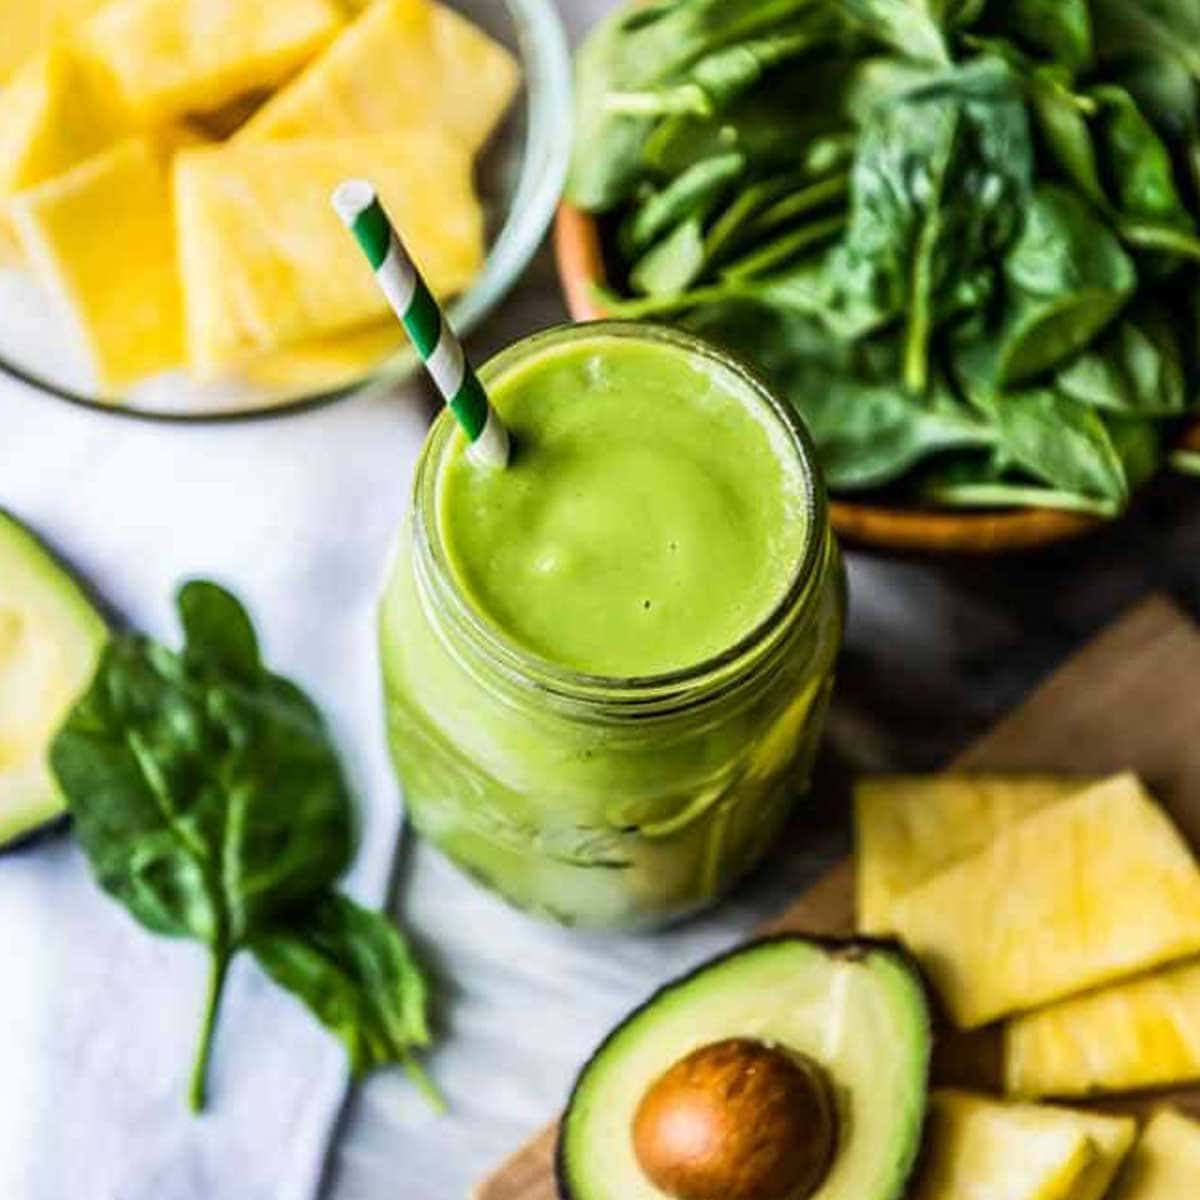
(1130, 699)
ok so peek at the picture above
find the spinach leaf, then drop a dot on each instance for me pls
(973, 482)
(868, 430)
(1020, 171)
(775, 127)
(939, 186)
(1164, 91)
(1136, 368)
(740, 221)
(1058, 29)
(207, 794)
(671, 266)
(716, 80)
(1062, 119)
(1138, 444)
(1067, 278)
(1185, 461)
(1060, 115)
(797, 290)
(871, 434)
(1141, 178)
(907, 26)
(800, 204)
(785, 248)
(1170, 98)
(1061, 442)
(692, 193)
(1110, 151)
(878, 81)
(624, 54)
(1163, 28)
(956, 14)
(356, 974)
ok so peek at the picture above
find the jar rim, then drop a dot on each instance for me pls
(525, 666)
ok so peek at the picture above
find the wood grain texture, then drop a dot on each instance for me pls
(1129, 700)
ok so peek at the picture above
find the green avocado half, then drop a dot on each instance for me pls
(50, 641)
(856, 1009)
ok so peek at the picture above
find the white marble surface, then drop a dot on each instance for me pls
(297, 514)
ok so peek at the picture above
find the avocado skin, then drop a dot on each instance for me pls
(31, 837)
(20, 542)
(82, 586)
(841, 947)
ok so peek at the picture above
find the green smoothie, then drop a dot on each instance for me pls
(653, 513)
(606, 666)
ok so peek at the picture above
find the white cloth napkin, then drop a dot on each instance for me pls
(98, 1018)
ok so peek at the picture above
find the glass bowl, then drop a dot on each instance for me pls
(520, 175)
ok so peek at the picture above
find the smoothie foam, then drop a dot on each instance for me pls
(653, 514)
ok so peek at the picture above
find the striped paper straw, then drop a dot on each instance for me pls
(358, 206)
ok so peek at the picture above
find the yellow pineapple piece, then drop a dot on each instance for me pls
(1139, 1034)
(1165, 1164)
(101, 235)
(54, 113)
(326, 363)
(985, 1149)
(265, 261)
(1092, 889)
(27, 27)
(982, 1148)
(171, 57)
(910, 827)
(403, 64)
(1112, 1139)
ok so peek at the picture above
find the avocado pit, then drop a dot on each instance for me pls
(737, 1120)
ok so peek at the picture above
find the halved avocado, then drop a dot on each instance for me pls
(50, 642)
(854, 1012)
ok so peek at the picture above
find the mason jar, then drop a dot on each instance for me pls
(608, 802)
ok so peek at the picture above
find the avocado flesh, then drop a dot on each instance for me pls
(50, 641)
(858, 1009)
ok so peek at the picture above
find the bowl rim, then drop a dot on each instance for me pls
(545, 58)
(579, 259)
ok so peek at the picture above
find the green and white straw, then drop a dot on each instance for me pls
(358, 206)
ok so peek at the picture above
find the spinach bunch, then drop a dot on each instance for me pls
(962, 236)
(210, 801)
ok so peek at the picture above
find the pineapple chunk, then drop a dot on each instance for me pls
(327, 363)
(1165, 1164)
(1140, 1034)
(404, 64)
(265, 261)
(985, 1149)
(1092, 889)
(909, 828)
(1112, 1139)
(26, 28)
(53, 114)
(102, 237)
(170, 57)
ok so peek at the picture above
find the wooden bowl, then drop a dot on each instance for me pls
(580, 261)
